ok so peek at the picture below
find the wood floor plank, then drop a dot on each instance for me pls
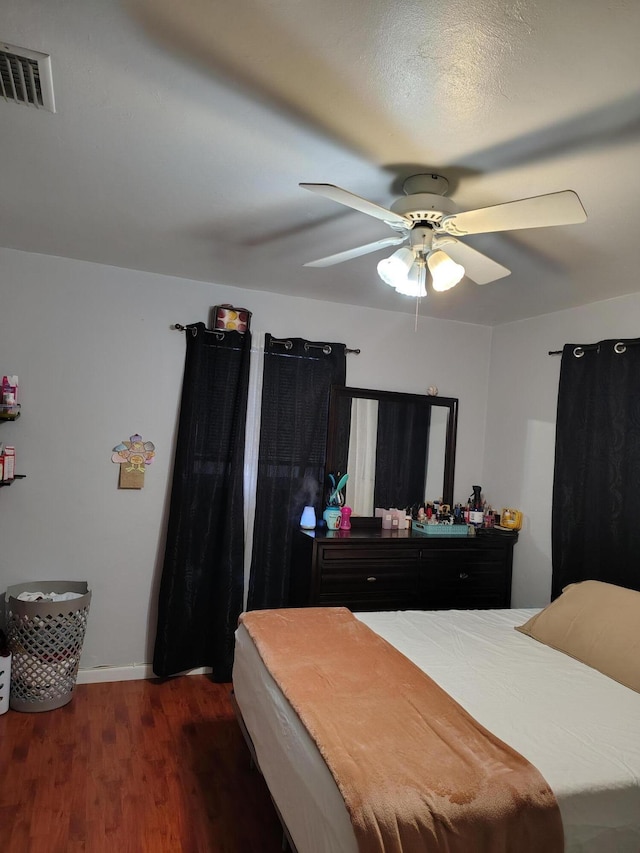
(157, 766)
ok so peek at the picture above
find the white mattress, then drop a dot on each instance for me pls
(578, 727)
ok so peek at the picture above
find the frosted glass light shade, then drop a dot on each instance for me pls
(445, 272)
(414, 283)
(393, 270)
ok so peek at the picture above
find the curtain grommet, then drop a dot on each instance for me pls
(286, 344)
(578, 352)
(326, 349)
(620, 347)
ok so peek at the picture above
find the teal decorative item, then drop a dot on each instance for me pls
(332, 517)
(335, 501)
(336, 498)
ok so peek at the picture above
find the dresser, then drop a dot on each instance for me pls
(375, 569)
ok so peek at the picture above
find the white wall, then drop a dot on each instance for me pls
(519, 449)
(97, 362)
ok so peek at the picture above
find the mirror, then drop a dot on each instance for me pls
(398, 449)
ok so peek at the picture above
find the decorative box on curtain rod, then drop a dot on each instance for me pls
(230, 319)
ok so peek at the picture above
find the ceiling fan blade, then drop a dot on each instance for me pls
(355, 253)
(358, 203)
(477, 267)
(563, 208)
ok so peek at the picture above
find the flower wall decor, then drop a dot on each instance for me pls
(133, 457)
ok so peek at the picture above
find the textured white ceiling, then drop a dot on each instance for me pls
(183, 129)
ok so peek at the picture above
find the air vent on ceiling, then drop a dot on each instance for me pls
(25, 77)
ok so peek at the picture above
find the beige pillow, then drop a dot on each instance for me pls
(596, 623)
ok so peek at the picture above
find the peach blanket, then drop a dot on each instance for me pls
(416, 771)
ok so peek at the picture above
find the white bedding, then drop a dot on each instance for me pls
(578, 727)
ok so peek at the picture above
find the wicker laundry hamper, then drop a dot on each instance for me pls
(45, 638)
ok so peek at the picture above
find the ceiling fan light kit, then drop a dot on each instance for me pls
(428, 221)
(406, 270)
(395, 268)
(416, 284)
(445, 272)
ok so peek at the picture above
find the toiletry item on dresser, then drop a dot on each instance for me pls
(511, 519)
(392, 519)
(476, 514)
(332, 517)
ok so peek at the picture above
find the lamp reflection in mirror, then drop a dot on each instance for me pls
(406, 271)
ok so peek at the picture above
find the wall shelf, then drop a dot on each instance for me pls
(9, 482)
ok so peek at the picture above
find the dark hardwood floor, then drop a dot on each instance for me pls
(133, 766)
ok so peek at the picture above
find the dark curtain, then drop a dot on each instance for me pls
(342, 434)
(201, 592)
(401, 453)
(291, 457)
(595, 529)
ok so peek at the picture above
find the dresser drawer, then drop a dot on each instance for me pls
(369, 584)
(368, 579)
(375, 601)
(466, 585)
(369, 556)
(449, 557)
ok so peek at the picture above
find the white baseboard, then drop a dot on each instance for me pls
(135, 672)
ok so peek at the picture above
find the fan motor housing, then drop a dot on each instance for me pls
(424, 207)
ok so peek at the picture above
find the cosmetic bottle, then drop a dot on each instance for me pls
(476, 515)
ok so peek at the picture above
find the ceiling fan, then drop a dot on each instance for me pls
(427, 226)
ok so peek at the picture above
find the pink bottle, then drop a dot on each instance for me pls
(345, 518)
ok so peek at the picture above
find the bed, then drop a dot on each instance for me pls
(578, 726)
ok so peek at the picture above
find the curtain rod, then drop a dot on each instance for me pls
(326, 348)
(178, 327)
(579, 351)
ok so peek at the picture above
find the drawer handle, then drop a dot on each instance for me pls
(372, 579)
(463, 576)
